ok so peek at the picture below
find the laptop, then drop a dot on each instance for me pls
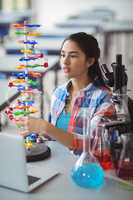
(13, 167)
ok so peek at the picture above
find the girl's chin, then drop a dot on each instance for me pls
(67, 75)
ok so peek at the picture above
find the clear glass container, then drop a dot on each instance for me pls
(125, 164)
(101, 148)
(124, 167)
(87, 172)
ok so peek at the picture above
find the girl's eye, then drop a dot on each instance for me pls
(73, 56)
(62, 55)
(69, 56)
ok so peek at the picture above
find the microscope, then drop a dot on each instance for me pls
(120, 130)
(117, 79)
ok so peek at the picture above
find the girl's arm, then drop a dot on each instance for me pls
(40, 126)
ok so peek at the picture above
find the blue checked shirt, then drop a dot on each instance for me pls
(96, 99)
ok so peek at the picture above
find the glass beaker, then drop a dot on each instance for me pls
(101, 148)
(87, 172)
(125, 164)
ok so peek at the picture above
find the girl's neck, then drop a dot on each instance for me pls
(74, 88)
(78, 85)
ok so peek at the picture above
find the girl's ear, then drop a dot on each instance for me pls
(91, 61)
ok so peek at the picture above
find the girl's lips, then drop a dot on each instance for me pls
(66, 70)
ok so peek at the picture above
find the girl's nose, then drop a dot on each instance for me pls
(66, 60)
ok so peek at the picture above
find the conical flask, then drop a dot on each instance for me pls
(101, 148)
(125, 164)
(87, 172)
(124, 169)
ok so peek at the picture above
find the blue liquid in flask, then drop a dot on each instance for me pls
(89, 175)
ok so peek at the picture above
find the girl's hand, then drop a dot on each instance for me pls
(32, 124)
(24, 133)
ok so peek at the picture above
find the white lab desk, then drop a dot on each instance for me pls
(62, 187)
(93, 26)
(61, 33)
(48, 45)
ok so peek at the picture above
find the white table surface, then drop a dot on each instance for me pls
(62, 187)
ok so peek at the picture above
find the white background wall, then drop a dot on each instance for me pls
(50, 11)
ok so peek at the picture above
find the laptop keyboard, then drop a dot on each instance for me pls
(32, 179)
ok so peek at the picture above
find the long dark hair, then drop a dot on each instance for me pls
(89, 45)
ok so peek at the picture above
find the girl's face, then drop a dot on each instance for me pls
(73, 60)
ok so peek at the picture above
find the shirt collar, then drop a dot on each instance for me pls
(69, 83)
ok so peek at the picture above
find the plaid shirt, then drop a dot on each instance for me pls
(96, 99)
